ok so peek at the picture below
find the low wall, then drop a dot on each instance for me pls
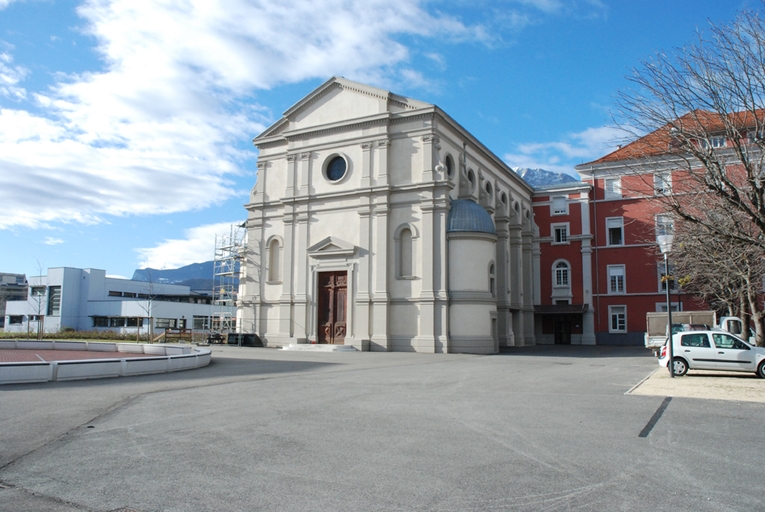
(165, 358)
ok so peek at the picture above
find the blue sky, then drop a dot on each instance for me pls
(126, 125)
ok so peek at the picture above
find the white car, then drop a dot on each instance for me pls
(713, 350)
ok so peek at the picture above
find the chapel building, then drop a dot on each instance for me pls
(378, 221)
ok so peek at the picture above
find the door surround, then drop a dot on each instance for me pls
(313, 300)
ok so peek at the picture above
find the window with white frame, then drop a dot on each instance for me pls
(617, 319)
(560, 233)
(664, 225)
(492, 281)
(615, 230)
(562, 271)
(559, 205)
(662, 183)
(714, 142)
(664, 279)
(613, 188)
(615, 279)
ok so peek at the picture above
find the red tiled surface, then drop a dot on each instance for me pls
(33, 356)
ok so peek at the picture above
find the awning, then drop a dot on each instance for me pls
(561, 309)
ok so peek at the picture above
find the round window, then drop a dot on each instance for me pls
(336, 168)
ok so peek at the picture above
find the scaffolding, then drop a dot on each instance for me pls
(227, 268)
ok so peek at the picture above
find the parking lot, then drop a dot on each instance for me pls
(538, 428)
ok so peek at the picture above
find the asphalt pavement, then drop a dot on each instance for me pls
(537, 428)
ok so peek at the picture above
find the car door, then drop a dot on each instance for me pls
(696, 349)
(732, 353)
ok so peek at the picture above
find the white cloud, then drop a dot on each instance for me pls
(562, 156)
(53, 241)
(10, 76)
(155, 131)
(197, 245)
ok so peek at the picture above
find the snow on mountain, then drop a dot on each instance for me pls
(541, 178)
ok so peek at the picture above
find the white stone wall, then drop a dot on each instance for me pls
(395, 149)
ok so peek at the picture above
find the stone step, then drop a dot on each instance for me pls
(315, 347)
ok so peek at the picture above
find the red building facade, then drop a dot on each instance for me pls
(615, 271)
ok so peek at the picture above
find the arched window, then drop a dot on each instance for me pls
(274, 260)
(405, 253)
(492, 281)
(562, 274)
(449, 166)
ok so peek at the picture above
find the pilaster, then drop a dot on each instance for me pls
(528, 286)
(363, 296)
(292, 164)
(425, 340)
(381, 167)
(504, 316)
(300, 328)
(379, 266)
(366, 164)
(285, 300)
(429, 156)
(304, 173)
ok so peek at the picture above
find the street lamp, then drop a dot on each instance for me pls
(665, 246)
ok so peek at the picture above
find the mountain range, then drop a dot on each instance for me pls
(197, 276)
(541, 178)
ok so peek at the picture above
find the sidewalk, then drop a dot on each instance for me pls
(710, 384)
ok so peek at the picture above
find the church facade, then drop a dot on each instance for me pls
(377, 221)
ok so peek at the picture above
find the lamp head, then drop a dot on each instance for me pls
(665, 243)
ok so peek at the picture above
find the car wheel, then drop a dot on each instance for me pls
(761, 370)
(679, 366)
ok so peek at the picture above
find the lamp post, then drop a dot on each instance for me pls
(665, 246)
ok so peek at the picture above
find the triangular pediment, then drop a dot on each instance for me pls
(338, 101)
(331, 247)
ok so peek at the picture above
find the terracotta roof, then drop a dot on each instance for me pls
(701, 122)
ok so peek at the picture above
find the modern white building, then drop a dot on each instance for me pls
(85, 299)
(12, 287)
(378, 221)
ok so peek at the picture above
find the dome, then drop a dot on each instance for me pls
(468, 216)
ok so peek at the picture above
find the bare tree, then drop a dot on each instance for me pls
(38, 298)
(727, 275)
(148, 308)
(703, 110)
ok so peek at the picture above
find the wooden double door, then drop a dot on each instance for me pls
(332, 304)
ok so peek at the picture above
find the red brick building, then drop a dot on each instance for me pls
(599, 268)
